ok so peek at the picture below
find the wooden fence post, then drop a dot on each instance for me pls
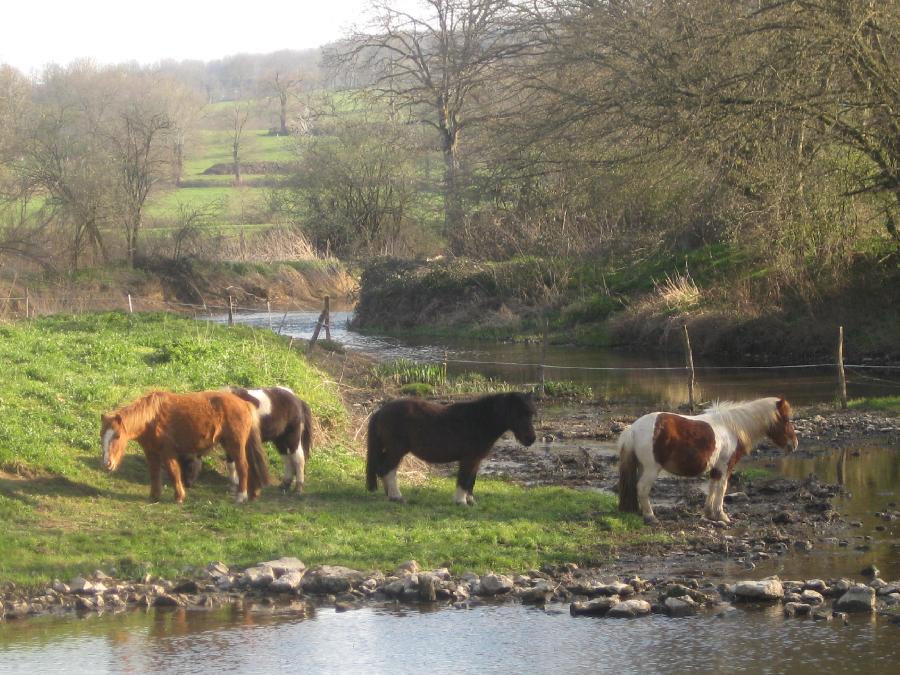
(842, 377)
(327, 312)
(689, 356)
(27, 303)
(543, 357)
(130, 306)
(269, 310)
(230, 311)
(323, 318)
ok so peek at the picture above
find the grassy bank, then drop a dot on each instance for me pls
(724, 300)
(63, 515)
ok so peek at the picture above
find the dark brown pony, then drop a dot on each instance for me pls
(284, 419)
(463, 432)
(168, 425)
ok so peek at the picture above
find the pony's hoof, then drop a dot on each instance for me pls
(285, 485)
(651, 520)
(470, 500)
(241, 498)
(398, 500)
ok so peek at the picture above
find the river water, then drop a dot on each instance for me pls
(614, 375)
(489, 638)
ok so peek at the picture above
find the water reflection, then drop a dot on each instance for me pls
(664, 385)
(871, 480)
(483, 639)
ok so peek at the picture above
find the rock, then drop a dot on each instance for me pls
(495, 584)
(859, 598)
(822, 614)
(82, 586)
(539, 594)
(803, 545)
(840, 616)
(189, 586)
(428, 584)
(839, 587)
(811, 597)
(114, 600)
(258, 577)
(815, 585)
(764, 590)
(88, 603)
(409, 567)
(678, 607)
(597, 607)
(288, 582)
(783, 517)
(629, 609)
(168, 600)
(870, 571)
(217, 569)
(60, 587)
(343, 606)
(878, 584)
(792, 609)
(737, 498)
(284, 565)
(99, 575)
(330, 579)
(891, 599)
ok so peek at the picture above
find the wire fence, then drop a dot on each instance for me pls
(27, 306)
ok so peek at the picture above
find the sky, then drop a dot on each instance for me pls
(38, 32)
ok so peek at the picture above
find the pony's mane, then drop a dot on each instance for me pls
(747, 420)
(137, 414)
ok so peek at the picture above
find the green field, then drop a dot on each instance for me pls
(63, 515)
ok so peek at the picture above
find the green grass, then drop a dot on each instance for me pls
(63, 515)
(882, 403)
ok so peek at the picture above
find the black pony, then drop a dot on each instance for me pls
(284, 419)
(463, 432)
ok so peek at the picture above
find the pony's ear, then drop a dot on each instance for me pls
(783, 407)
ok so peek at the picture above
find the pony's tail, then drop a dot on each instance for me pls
(257, 461)
(306, 433)
(628, 473)
(373, 456)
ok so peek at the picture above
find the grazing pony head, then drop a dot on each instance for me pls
(112, 440)
(520, 410)
(781, 432)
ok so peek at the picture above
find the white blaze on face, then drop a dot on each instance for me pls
(107, 439)
(265, 403)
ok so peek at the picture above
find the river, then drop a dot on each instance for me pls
(614, 375)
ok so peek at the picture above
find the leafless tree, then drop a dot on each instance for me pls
(436, 64)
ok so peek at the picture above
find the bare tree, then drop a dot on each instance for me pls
(240, 113)
(285, 89)
(435, 64)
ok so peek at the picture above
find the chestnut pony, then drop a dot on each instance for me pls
(463, 432)
(168, 425)
(689, 446)
(286, 420)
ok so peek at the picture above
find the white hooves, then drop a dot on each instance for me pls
(241, 498)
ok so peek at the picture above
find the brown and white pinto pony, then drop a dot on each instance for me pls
(168, 426)
(436, 433)
(284, 419)
(691, 445)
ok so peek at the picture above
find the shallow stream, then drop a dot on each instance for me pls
(613, 374)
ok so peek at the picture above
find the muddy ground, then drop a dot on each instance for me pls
(770, 515)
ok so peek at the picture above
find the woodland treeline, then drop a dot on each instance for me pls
(561, 129)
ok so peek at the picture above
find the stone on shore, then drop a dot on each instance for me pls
(288, 582)
(680, 606)
(327, 579)
(260, 576)
(496, 584)
(598, 607)
(765, 590)
(629, 609)
(284, 565)
(859, 598)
